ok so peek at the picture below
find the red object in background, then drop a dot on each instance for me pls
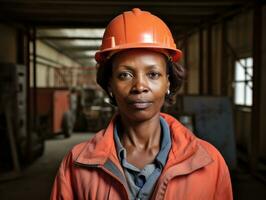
(60, 106)
(52, 103)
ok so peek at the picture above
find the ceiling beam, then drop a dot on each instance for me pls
(84, 57)
(67, 38)
(128, 3)
(107, 11)
(60, 50)
(78, 48)
(102, 19)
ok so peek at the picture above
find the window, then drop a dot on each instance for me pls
(243, 81)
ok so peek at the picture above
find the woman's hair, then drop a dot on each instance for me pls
(175, 72)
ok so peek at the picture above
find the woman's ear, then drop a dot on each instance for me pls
(168, 83)
(110, 91)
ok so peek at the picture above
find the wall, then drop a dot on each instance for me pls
(8, 44)
(262, 145)
(216, 60)
(46, 73)
(239, 37)
(192, 65)
(54, 69)
(222, 44)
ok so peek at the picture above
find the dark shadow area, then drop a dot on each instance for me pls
(246, 186)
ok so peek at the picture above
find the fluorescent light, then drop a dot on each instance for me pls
(89, 53)
(86, 42)
(93, 32)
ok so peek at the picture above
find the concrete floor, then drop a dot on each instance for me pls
(36, 181)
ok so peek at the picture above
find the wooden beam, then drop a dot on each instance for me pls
(257, 64)
(209, 61)
(201, 72)
(186, 49)
(224, 68)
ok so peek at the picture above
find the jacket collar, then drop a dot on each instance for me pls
(187, 154)
(185, 150)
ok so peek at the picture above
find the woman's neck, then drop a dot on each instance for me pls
(143, 135)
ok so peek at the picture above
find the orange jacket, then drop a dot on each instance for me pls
(194, 170)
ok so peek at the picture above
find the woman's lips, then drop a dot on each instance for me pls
(141, 105)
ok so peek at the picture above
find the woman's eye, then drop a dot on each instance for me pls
(154, 75)
(125, 75)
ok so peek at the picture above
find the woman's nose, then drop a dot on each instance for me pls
(139, 85)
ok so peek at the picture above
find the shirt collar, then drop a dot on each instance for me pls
(121, 151)
(165, 143)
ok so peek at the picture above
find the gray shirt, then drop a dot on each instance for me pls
(141, 182)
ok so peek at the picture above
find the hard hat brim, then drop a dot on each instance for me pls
(173, 54)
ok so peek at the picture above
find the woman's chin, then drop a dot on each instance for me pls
(140, 115)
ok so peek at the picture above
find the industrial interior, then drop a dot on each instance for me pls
(50, 101)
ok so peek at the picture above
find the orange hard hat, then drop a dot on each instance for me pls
(137, 29)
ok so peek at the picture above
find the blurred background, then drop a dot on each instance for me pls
(49, 99)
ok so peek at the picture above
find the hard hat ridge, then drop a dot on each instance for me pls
(137, 29)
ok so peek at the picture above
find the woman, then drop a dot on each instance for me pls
(142, 154)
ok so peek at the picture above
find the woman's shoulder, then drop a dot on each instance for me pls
(211, 149)
(213, 152)
(188, 136)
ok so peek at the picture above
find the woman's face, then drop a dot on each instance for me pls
(139, 83)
